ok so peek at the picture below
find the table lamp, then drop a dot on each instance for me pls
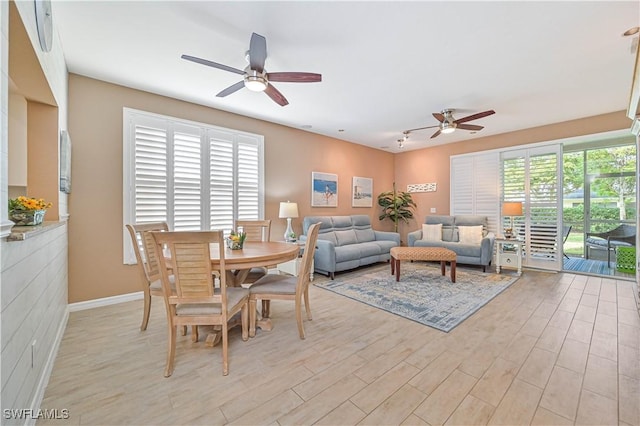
(288, 210)
(511, 209)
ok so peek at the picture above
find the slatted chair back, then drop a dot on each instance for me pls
(280, 287)
(256, 230)
(197, 301)
(304, 276)
(190, 261)
(148, 266)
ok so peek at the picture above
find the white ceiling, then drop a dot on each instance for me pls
(386, 66)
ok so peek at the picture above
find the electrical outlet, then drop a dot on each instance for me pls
(433, 209)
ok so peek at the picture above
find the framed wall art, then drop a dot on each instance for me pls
(362, 192)
(65, 162)
(324, 189)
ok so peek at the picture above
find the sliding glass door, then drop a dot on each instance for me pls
(533, 177)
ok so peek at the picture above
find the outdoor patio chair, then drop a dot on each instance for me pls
(566, 229)
(622, 236)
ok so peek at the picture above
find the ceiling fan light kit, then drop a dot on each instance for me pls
(255, 77)
(449, 125)
(255, 81)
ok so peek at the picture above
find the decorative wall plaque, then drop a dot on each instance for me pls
(421, 187)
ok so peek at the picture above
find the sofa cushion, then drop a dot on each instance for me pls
(365, 235)
(449, 234)
(328, 236)
(341, 222)
(432, 232)
(444, 220)
(346, 237)
(369, 249)
(385, 245)
(465, 250)
(346, 253)
(470, 220)
(470, 234)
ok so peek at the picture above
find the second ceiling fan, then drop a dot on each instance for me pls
(255, 76)
(448, 124)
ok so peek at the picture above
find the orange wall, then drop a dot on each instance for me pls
(432, 164)
(95, 125)
(96, 269)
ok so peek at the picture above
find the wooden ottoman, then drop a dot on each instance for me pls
(440, 254)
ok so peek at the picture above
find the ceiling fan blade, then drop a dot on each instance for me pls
(421, 128)
(257, 52)
(436, 134)
(438, 116)
(231, 89)
(474, 116)
(294, 77)
(276, 96)
(469, 127)
(212, 64)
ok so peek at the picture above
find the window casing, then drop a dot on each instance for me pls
(192, 175)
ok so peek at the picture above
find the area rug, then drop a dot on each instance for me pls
(423, 294)
(589, 266)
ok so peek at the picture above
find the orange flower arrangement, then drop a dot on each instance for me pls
(28, 204)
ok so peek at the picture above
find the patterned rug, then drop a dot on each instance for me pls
(590, 266)
(423, 294)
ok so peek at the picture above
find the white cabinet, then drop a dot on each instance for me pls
(292, 267)
(509, 254)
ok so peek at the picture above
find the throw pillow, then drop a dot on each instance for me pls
(470, 234)
(432, 232)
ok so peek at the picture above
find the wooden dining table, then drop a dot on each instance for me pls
(254, 254)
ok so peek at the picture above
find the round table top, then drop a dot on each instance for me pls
(254, 254)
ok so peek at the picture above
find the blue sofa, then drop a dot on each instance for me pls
(347, 242)
(472, 254)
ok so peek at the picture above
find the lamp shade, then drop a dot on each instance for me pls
(288, 209)
(512, 209)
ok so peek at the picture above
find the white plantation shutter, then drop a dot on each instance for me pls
(150, 178)
(187, 179)
(222, 201)
(248, 181)
(475, 186)
(192, 175)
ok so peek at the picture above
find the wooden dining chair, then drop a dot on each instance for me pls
(196, 300)
(286, 287)
(256, 230)
(148, 266)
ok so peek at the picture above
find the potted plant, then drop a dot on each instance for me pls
(25, 211)
(396, 205)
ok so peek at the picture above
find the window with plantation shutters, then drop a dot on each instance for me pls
(475, 186)
(194, 176)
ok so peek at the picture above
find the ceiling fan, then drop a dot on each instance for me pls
(255, 76)
(448, 124)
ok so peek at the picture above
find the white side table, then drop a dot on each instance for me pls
(509, 254)
(292, 267)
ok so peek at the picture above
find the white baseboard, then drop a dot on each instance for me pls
(48, 368)
(105, 301)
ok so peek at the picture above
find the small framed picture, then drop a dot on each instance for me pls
(362, 192)
(324, 189)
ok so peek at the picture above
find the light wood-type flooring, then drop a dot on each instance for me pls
(551, 349)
